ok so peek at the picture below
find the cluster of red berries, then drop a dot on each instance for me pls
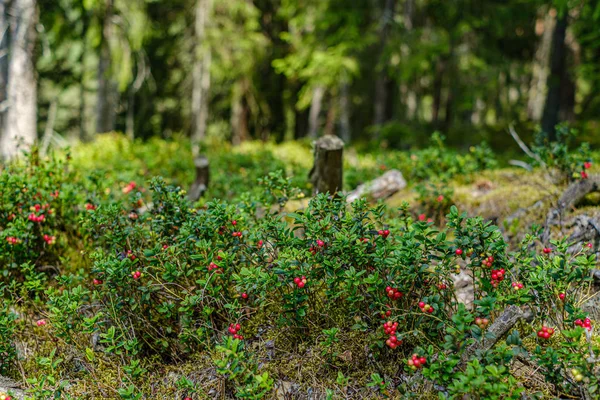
(586, 323)
(300, 282)
(49, 239)
(90, 207)
(136, 275)
(212, 266)
(482, 323)
(384, 233)
(320, 245)
(547, 250)
(130, 255)
(389, 328)
(5, 396)
(426, 307)
(545, 332)
(12, 240)
(234, 329)
(393, 294)
(442, 286)
(517, 285)
(236, 234)
(416, 362)
(41, 322)
(497, 276)
(97, 281)
(129, 187)
(586, 165)
(37, 218)
(423, 217)
(488, 261)
(37, 207)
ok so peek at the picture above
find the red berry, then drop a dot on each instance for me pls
(547, 250)
(458, 252)
(421, 304)
(234, 222)
(244, 295)
(561, 296)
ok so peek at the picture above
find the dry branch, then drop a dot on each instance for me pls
(380, 188)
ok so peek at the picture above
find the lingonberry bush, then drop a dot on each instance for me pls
(159, 279)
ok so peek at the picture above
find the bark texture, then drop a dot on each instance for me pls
(200, 185)
(327, 172)
(20, 122)
(201, 76)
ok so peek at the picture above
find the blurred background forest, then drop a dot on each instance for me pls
(382, 72)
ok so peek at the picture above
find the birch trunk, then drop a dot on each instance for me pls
(315, 111)
(20, 122)
(201, 76)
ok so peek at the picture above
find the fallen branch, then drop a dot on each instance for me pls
(523, 146)
(505, 322)
(572, 195)
(380, 188)
(522, 164)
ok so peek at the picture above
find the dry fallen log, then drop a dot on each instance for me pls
(8, 385)
(326, 174)
(505, 322)
(202, 176)
(572, 195)
(380, 188)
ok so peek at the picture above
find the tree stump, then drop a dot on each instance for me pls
(202, 175)
(326, 174)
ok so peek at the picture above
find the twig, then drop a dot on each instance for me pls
(522, 164)
(523, 146)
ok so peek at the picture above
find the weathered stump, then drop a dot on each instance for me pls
(326, 174)
(202, 175)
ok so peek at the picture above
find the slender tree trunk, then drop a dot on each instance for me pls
(315, 111)
(382, 81)
(544, 28)
(344, 104)
(239, 113)
(201, 76)
(331, 118)
(4, 47)
(20, 126)
(106, 112)
(557, 71)
(437, 91)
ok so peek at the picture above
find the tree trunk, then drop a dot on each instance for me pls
(4, 47)
(239, 115)
(382, 81)
(106, 112)
(345, 129)
(315, 111)
(201, 76)
(557, 71)
(20, 125)
(544, 28)
(437, 91)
